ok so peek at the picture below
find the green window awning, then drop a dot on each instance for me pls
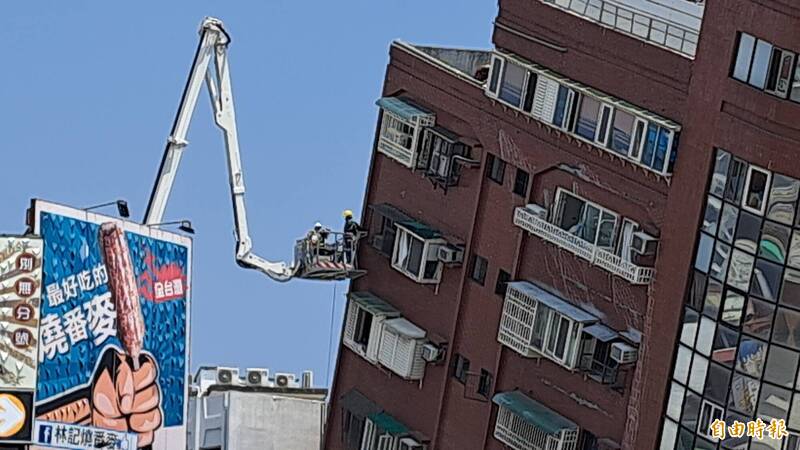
(420, 229)
(373, 304)
(402, 108)
(388, 424)
(533, 412)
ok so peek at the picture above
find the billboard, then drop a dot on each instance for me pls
(114, 331)
(20, 297)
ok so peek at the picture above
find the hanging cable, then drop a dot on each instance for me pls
(330, 335)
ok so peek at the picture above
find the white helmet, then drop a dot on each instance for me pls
(317, 225)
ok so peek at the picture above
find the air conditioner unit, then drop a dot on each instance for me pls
(641, 241)
(431, 353)
(537, 210)
(408, 443)
(284, 379)
(227, 375)
(623, 353)
(257, 377)
(449, 254)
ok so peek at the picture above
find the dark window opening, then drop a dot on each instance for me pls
(485, 383)
(363, 327)
(478, 271)
(501, 286)
(460, 368)
(521, 182)
(495, 169)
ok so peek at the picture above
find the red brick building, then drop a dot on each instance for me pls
(582, 237)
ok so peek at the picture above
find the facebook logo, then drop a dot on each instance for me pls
(45, 434)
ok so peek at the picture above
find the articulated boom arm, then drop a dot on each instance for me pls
(213, 44)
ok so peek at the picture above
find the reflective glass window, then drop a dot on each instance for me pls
(783, 199)
(713, 299)
(721, 163)
(705, 336)
(766, 280)
(691, 409)
(794, 413)
(719, 262)
(781, 366)
(794, 250)
(786, 330)
(758, 318)
(790, 291)
(697, 376)
(711, 216)
(717, 383)
(774, 402)
(727, 222)
(689, 327)
(697, 292)
(751, 357)
(736, 178)
(774, 244)
(744, 56)
(675, 403)
(724, 351)
(733, 307)
(741, 268)
(748, 232)
(743, 394)
(704, 251)
(682, 363)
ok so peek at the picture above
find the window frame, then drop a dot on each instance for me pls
(557, 218)
(386, 125)
(521, 188)
(495, 164)
(444, 153)
(712, 407)
(461, 368)
(485, 383)
(750, 169)
(429, 246)
(481, 276)
(501, 286)
(549, 336)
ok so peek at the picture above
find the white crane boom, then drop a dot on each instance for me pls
(214, 42)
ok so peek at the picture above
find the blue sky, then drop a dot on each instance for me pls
(89, 90)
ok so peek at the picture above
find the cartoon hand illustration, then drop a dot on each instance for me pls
(127, 399)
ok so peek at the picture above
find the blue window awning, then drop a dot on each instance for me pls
(402, 108)
(601, 332)
(552, 301)
(359, 405)
(534, 412)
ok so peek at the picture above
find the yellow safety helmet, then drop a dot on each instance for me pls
(347, 213)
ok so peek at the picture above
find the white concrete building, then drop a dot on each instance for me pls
(255, 412)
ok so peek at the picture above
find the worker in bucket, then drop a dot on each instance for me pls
(351, 234)
(318, 241)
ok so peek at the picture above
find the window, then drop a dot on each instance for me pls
(501, 285)
(766, 67)
(401, 348)
(485, 383)
(416, 257)
(353, 430)
(383, 240)
(495, 169)
(586, 126)
(590, 222)
(460, 368)
(755, 190)
(364, 321)
(438, 148)
(497, 64)
(566, 104)
(478, 271)
(657, 144)
(521, 182)
(709, 412)
(513, 84)
(596, 359)
(622, 132)
(397, 131)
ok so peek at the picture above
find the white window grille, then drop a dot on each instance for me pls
(535, 322)
(366, 314)
(401, 348)
(401, 128)
(524, 433)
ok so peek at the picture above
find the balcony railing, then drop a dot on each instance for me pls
(678, 33)
(518, 434)
(529, 221)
